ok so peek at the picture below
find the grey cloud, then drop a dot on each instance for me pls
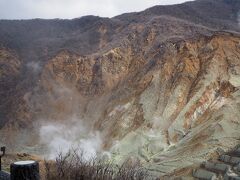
(67, 9)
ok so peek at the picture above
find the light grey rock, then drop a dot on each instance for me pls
(227, 177)
(204, 174)
(237, 151)
(235, 160)
(219, 167)
(238, 168)
(229, 159)
(225, 158)
(230, 175)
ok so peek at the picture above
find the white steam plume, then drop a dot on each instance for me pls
(34, 66)
(73, 135)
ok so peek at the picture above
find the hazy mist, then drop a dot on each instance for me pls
(67, 9)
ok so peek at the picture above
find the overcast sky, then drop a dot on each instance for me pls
(67, 9)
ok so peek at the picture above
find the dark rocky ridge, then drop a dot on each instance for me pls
(39, 39)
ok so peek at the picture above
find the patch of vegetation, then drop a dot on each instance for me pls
(73, 166)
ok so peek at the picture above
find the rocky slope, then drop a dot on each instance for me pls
(161, 85)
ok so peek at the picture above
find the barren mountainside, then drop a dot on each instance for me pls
(161, 85)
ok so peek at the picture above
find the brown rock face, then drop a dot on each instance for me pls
(181, 102)
(156, 86)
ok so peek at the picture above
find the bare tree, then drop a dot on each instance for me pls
(73, 166)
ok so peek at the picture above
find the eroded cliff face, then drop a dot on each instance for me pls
(172, 109)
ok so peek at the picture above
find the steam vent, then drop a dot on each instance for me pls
(153, 94)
